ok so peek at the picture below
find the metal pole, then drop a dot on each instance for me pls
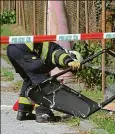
(103, 45)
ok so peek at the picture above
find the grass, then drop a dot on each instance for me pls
(102, 118)
(17, 85)
(4, 57)
(6, 75)
(5, 31)
(9, 30)
(74, 121)
(95, 95)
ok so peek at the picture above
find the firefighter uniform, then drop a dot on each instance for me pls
(34, 62)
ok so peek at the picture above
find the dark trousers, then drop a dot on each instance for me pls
(14, 57)
(28, 69)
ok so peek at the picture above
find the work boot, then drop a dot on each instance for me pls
(25, 116)
(44, 115)
(21, 115)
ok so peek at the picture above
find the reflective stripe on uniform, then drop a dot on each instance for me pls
(61, 59)
(33, 57)
(30, 46)
(36, 105)
(45, 49)
(24, 100)
(53, 55)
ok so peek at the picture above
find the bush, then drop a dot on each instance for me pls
(93, 77)
(8, 17)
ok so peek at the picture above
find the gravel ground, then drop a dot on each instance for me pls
(9, 124)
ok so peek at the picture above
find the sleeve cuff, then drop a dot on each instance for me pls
(67, 60)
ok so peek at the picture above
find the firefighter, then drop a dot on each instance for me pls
(34, 61)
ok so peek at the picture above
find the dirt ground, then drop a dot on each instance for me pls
(10, 87)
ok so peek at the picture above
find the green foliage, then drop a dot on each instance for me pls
(110, 79)
(98, 5)
(90, 76)
(93, 77)
(8, 17)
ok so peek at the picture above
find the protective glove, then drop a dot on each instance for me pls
(74, 65)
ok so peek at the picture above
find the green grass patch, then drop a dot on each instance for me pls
(4, 57)
(11, 30)
(102, 118)
(95, 95)
(6, 75)
(74, 121)
(5, 31)
(17, 85)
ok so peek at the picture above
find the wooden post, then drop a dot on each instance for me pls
(78, 15)
(15, 5)
(9, 4)
(87, 18)
(46, 18)
(17, 12)
(2, 6)
(23, 15)
(103, 45)
(34, 17)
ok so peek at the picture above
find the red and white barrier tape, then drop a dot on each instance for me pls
(60, 37)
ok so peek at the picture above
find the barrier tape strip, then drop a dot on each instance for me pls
(59, 37)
